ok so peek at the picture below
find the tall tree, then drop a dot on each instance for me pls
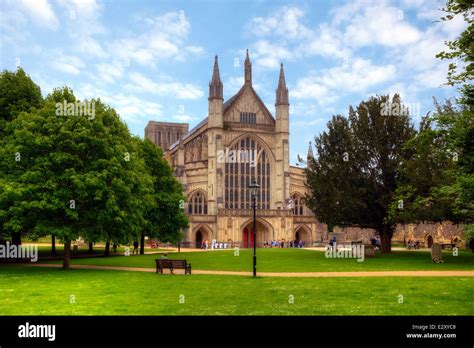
(164, 213)
(77, 177)
(18, 93)
(435, 184)
(352, 179)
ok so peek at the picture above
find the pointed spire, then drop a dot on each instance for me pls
(282, 90)
(215, 86)
(310, 151)
(248, 69)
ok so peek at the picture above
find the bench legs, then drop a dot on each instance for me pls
(187, 270)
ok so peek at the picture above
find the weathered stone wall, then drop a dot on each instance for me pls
(354, 233)
(443, 232)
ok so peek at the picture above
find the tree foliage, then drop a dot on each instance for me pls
(461, 50)
(78, 176)
(354, 175)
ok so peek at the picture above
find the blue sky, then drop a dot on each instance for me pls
(152, 60)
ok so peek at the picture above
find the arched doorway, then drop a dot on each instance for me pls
(247, 237)
(201, 234)
(264, 233)
(429, 241)
(303, 234)
(199, 239)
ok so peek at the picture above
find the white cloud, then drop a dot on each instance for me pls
(269, 55)
(178, 90)
(165, 38)
(67, 63)
(327, 42)
(375, 24)
(40, 12)
(131, 108)
(357, 76)
(109, 72)
(284, 22)
(83, 24)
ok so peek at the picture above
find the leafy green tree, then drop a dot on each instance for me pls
(352, 179)
(18, 93)
(164, 213)
(427, 167)
(437, 175)
(461, 50)
(77, 176)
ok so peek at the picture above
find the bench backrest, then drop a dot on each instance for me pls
(169, 262)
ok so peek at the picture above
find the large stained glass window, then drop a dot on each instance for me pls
(247, 160)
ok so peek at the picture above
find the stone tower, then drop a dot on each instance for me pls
(215, 133)
(282, 134)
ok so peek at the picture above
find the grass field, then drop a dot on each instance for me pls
(294, 260)
(44, 291)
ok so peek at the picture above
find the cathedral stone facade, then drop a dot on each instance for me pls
(240, 141)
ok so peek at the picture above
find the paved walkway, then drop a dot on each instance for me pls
(286, 274)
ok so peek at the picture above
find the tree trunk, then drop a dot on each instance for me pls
(16, 238)
(67, 254)
(142, 245)
(53, 245)
(386, 233)
(107, 249)
(91, 247)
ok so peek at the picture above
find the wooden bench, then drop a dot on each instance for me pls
(171, 265)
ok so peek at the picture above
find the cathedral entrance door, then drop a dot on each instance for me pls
(247, 237)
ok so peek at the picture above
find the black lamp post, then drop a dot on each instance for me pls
(254, 188)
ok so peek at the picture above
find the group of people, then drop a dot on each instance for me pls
(413, 244)
(205, 244)
(283, 244)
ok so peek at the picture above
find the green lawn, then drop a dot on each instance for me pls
(44, 291)
(294, 260)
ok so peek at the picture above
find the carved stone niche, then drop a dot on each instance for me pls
(219, 171)
(179, 171)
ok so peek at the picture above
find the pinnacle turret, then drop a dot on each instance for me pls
(215, 86)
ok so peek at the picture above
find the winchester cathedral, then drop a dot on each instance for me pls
(240, 141)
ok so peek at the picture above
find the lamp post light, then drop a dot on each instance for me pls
(254, 189)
